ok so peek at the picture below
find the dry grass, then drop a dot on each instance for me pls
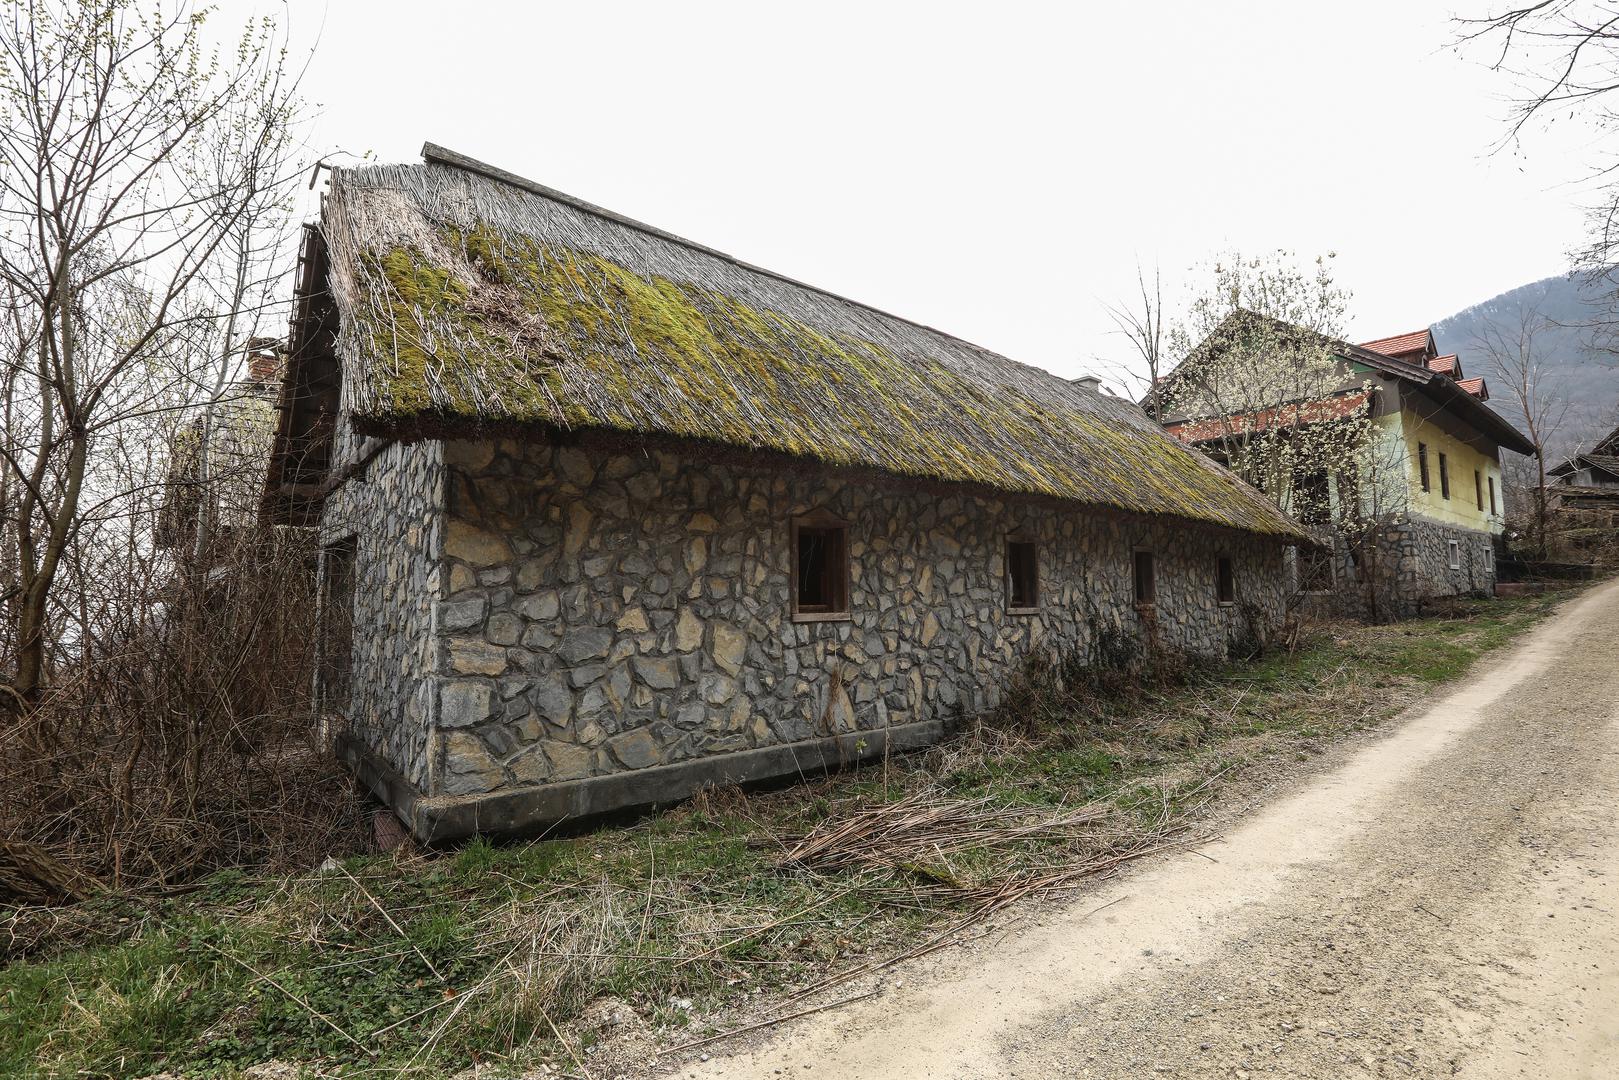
(732, 909)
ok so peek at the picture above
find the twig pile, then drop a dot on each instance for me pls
(924, 824)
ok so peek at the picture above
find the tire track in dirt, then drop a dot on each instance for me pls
(1445, 902)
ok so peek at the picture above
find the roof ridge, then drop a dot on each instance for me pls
(1394, 337)
(433, 152)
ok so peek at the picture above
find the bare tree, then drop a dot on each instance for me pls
(1142, 322)
(136, 167)
(1563, 56)
(1514, 362)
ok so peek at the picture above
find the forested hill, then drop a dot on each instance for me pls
(1575, 370)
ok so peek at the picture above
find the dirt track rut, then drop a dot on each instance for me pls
(1445, 902)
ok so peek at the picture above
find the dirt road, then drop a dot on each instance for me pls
(1443, 902)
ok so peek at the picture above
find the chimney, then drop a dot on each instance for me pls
(263, 360)
(1092, 383)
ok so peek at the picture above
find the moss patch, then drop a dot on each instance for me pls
(513, 330)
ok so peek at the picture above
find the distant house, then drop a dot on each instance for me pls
(1584, 490)
(1596, 469)
(217, 465)
(608, 515)
(1438, 453)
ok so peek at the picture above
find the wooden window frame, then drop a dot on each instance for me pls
(1225, 580)
(1444, 475)
(1146, 599)
(1422, 465)
(1037, 598)
(839, 578)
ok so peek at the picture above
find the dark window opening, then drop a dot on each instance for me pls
(1228, 581)
(1022, 575)
(1492, 494)
(1145, 578)
(1444, 476)
(1348, 494)
(1422, 465)
(820, 569)
(336, 624)
(1316, 573)
(1478, 488)
(1312, 498)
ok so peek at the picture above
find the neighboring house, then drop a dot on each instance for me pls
(1429, 482)
(1588, 480)
(1582, 498)
(609, 516)
(227, 483)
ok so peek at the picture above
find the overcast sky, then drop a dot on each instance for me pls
(995, 170)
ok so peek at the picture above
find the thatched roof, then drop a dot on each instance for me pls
(472, 299)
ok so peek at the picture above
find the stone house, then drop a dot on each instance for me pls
(1436, 497)
(608, 515)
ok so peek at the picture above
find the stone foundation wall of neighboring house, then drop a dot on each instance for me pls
(1423, 569)
(393, 514)
(603, 613)
(1412, 567)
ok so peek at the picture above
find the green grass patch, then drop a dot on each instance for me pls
(419, 966)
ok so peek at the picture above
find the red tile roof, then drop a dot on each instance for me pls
(1475, 387)
(1310, 412)
(1446, 365)
(1401, 344)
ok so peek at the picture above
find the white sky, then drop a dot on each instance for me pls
(995, 170)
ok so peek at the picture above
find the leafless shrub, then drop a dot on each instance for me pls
(179, 740)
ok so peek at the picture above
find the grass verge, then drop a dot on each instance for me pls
(526, 954)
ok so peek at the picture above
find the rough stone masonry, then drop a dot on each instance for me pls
(542, 631)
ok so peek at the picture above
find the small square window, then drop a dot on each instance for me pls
(1146, 579)
(820, 569)
(1022, 575)
(1455, 554)
(1227, 581)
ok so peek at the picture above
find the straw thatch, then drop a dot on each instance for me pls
(473, 299)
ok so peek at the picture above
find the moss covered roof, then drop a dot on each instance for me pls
(469, 296)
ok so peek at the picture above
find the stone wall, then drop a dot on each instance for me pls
(394, 514)
(1421, 551)
(611, 612)
(1412, 567)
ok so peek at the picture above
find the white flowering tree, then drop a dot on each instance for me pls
(1263, 386)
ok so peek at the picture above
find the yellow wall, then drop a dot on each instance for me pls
(1407, 429)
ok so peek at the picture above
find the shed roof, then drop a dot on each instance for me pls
(474, 300)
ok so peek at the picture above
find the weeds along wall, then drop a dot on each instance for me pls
(566, 614)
